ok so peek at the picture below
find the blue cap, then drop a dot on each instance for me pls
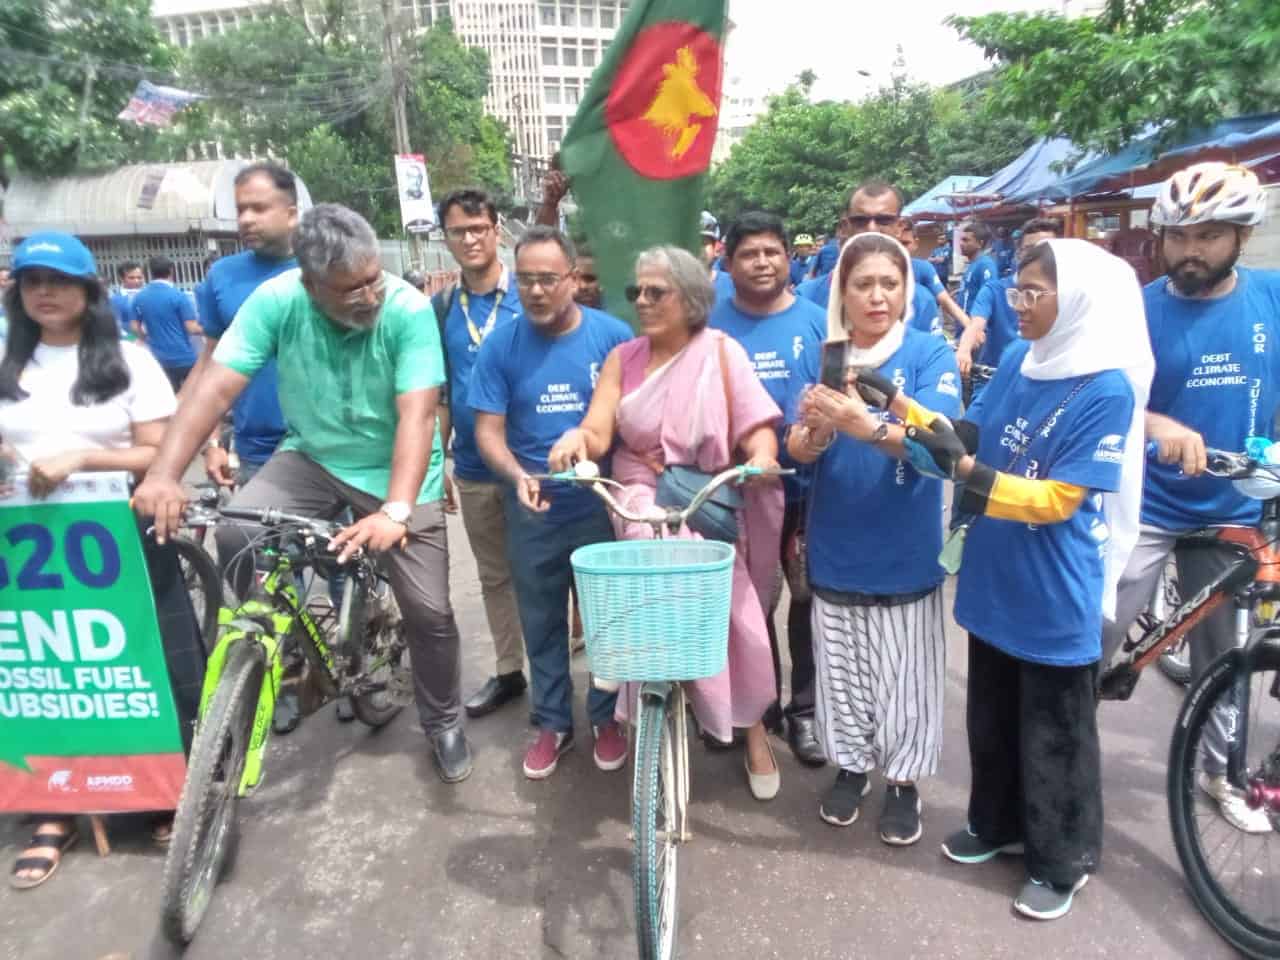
(55, 251)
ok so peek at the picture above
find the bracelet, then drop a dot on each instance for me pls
(818, 448)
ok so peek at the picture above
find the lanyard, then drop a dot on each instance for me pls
(479, 333)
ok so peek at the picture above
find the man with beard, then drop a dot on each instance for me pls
(777, 329)
(1215, 334)
(359, 364)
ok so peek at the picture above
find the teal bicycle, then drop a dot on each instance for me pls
(656, 612)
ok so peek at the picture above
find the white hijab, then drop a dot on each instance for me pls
(1102, 325)
(875, 355)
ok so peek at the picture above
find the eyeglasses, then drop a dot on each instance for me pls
(1026, 299)
(651, 292)
(356, 296)
(465, 233)
(860, 222)
(547, 281)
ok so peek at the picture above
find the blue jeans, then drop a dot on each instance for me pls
(538, 550)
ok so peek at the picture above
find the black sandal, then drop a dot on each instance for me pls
(61, 842)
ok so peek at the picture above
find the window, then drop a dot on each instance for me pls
(570, 56)
(607, 18)
(568, 16)
(571, 94)
(548, 14)
(551, 93)
(588, 56)
(588, 17)
(549, 58)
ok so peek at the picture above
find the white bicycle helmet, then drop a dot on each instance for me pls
(1206, 192)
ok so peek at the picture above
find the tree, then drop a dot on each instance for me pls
(55, 52)
(1102, 81)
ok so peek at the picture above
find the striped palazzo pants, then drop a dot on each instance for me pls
(880, 676)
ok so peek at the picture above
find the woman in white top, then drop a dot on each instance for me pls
(73, 398)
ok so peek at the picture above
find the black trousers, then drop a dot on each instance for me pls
(799, 634)
(1035, 761)
(179, 633)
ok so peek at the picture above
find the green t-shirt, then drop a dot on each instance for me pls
(338, 387)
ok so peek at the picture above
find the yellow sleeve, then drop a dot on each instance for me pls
(1006, 497)
(919, 416)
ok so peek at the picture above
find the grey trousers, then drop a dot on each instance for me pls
(419, 573)
(1208, 640)
(484, 518)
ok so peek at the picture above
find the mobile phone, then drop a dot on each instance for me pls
(833, 364)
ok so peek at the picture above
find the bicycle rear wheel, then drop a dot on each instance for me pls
(204, 586)
(371, 633)
(655, 825)
(204, 825)
(1229, 871)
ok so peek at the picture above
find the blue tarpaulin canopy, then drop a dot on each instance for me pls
(1033, 174)
(937, 200)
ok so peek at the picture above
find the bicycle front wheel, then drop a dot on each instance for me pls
(204, 824)
(1226, 844)
(371, 633)
(655, 824)
(204, 585)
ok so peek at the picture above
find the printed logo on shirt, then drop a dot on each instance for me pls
(1260, 338)
(1218, 370)
(1110, 449)
(797, 347)
(595, 374)
(1101, 534)
(770, 366)
(561, 398)
(947, 384)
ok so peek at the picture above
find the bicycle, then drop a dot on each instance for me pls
(656, 612)
(1175, 660)
(200, 572)
(367, 662)
(1226, 868)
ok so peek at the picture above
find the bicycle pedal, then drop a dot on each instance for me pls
(400, 687)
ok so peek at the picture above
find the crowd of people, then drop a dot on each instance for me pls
(348, 387)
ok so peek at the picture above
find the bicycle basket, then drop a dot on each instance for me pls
(655, 609)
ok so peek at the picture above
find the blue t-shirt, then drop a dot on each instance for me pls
(1218, 372)
(800, 267)
(875, 524)
(776, 346)
(122, 306)
(722, 283)
(543, 386)
(817, 290)
(1035, 591)
(927, 277)
(825, 260)
(257, 419)
(925, 318)
(164, 311)
(976, 275)
(462, 348)
(1002, 319)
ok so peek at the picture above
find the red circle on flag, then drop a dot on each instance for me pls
(664, 105)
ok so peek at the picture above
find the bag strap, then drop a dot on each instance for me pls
(728, 397)
(1055, 415)
(442, 311)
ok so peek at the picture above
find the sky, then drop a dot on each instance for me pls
(837, 38)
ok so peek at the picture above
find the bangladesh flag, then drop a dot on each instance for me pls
(638, 149)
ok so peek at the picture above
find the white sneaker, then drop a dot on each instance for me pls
(1231, 803)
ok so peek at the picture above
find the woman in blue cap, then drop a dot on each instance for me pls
(74, 399)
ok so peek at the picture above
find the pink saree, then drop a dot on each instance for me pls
(677, 415)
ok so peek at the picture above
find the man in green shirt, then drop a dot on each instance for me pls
(360, 367)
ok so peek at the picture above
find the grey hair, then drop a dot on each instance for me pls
(331, 235)
(689, 278)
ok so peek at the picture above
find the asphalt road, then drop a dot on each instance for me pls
(353, 848)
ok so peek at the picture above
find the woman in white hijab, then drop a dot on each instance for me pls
(1053, 491)
(874, 533)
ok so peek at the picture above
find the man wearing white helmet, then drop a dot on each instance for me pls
(1215, 334)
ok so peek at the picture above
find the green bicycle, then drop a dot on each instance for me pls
(367, 662)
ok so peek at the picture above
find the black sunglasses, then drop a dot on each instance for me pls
(652, 293)
(860, 222)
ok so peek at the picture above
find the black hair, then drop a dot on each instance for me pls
(545, 234)
(865, 245)
(280, 178)
(103, 373)
(980, 230)
(1041, 255)
(1043, 225)
(875, 187)
(160, 268)
(127, 267)
(752, 224)
(472, 201)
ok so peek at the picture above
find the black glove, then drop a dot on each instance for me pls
(875, 390)
(941, 446)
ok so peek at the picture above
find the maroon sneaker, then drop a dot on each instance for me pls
(544, 753)
(611, 746)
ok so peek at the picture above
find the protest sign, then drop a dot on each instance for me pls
(87, 721)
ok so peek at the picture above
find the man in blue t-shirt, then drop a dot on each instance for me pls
(167, 318)
(532, 381)
(485, 302)
(1215, 334)
(975, 241)
(131, 280)
(927, 279)
(777, 329)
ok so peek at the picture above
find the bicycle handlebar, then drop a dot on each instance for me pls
(271, 517)
(1221, 463)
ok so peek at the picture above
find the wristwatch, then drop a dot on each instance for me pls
(397, 511)
(882, 433)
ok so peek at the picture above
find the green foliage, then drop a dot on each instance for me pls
(1102, 81)
(47, 46)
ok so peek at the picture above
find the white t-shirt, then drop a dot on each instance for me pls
(48, 423)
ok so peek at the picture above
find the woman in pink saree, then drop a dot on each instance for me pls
(673, 396)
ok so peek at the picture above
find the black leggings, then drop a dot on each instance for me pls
(799, 634)
(1035, 761)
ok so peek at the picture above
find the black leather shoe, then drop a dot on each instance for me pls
(346, 712)
(496, 691)
(804, 743)
(452, 755)
(288, 711)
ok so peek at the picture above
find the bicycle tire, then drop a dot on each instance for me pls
(655, 876)
(1245, 933)
(204, 824)
(366, 628)
(1175, 662)
(204, 584)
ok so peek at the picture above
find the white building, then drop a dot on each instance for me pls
(739, 109)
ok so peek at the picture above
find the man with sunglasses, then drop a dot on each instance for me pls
(778, 330)
(532, 381)
(359, 365)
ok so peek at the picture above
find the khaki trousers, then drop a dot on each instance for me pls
(486, 526)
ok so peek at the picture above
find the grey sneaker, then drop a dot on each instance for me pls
(900, 820)
(840, 806)
(965, 846)
(1044, 901)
